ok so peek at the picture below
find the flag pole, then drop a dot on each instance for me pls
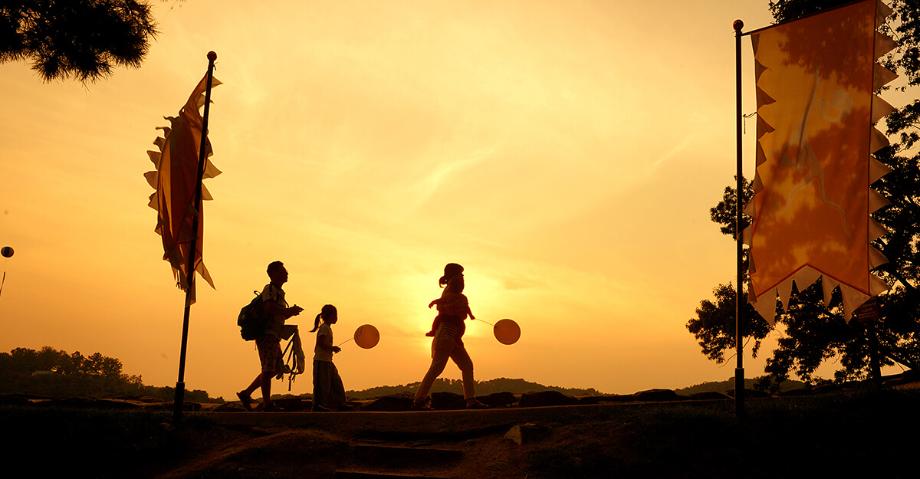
(739, 200)
(193, 248)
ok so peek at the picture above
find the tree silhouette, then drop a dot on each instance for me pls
(75, 38)
(813, 333)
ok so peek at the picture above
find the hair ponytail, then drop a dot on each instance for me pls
(325, 313)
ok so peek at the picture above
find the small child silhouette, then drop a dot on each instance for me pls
(452, 301)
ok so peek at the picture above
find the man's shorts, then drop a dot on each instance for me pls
(270, 354)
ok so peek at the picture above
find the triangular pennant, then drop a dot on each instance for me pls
(205, 194)
(883, 76)
(876, 201)
(160, 142)
(154, 158)
(805, 277)
(210, 171)
(876, 258)
(877, 286)
(883, 45)
(876, 230)
(154, 199)
(762, 126)
(152, 178)
(883, 11)
(205, 274)
(827, 288)
(783, 290)
(880, 108)
(877, 169)
(766, 306)
(852, 299)
(758, 69)
(878, 141)
(763, 98)
(760, 157)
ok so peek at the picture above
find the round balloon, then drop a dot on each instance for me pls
(367, 336)
(6, 252)
(506, 331)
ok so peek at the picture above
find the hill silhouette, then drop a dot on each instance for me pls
(729, 385)
(515, 386)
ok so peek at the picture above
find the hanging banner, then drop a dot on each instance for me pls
(817, 110)
(174, 180)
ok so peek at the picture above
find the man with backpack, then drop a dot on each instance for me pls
(276, 312)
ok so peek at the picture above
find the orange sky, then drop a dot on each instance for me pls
(566, 153)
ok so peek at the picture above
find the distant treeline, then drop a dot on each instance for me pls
(729, 384)
(516, 386)
(55, 373)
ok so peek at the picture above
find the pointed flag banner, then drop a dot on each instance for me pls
(175, 178)
(817, 109)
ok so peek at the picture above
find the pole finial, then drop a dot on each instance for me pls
(212, 56)
(738, 25)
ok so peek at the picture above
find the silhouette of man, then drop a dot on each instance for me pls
(269, 344)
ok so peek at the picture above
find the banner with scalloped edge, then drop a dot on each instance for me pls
(175, 177)
(817, 109)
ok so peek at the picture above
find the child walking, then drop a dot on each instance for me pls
(328, 390)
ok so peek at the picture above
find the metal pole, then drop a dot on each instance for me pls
(190, 277)
(739, 207)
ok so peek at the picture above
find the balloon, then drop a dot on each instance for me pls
(6, 252)
(367, 336)
(506, 331)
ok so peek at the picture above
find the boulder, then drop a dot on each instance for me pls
(390, 403)
(447, 400)
(527, 433)
(606, 398)
(546, 398)
(657, 395)
(502, 399)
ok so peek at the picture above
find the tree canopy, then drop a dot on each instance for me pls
(84, 39)
(811, 333)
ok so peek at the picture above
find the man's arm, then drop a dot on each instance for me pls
(275, 309)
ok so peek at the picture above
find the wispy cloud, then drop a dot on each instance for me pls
(427, 186)
(674, 151)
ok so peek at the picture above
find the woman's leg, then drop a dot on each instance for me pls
(463, 361)
(441, 348)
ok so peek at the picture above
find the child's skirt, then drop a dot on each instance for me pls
(328, 390)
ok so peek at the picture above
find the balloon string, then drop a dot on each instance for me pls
(2, 282)
(347, 340)
(484, 321)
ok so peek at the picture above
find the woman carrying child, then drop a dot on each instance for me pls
(328, 391)
(448, 329)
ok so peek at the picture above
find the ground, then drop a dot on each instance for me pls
(842, 434)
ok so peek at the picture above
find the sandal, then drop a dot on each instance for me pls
(421, 405)
(245, 400)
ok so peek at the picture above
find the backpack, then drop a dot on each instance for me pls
(252, 319)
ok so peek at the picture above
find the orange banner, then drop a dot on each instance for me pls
(175, 181)
(816, 106)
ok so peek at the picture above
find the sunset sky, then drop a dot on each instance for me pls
(566, 153)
